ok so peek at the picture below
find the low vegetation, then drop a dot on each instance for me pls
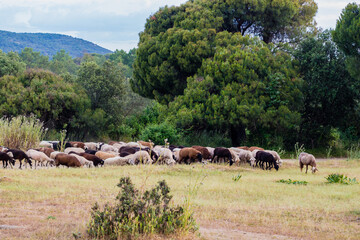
(295, 182)
(341, 178)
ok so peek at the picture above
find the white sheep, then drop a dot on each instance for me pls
(45, 144)
(108, 148)
(307, 159)
(39, 157)
(211, 151)
(245, 156)
(90, 145)
(165, 156)
(176, 154)
(234, 156)
(139, 157)
(133, 144)
(83, 161)
(73, 149)
(53, 154)
(116, 161)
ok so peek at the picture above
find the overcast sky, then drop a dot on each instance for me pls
(109, 23)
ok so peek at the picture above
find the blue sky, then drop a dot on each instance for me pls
(109, 23)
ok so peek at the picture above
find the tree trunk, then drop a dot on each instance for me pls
(237, 135)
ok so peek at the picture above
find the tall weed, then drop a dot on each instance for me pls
(21, 132)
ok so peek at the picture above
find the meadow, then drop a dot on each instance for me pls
(55, 203)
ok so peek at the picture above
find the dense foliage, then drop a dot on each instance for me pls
(176, 40)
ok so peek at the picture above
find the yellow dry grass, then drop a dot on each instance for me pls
(55, 203)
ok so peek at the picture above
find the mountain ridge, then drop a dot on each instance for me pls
(48, 43)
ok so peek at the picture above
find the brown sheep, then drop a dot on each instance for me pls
(204, 151)
(189, 155)
(46, 150)
(78, 144)
(105, 155)
(255, 148)
(243, 148)
(66, 160)
(97, 161)
(147, 144)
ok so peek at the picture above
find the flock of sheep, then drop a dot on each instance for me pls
(91, 154)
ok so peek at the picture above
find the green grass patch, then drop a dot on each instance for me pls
(341, 178)
(295, 182)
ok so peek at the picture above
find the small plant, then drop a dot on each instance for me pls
(299, 149)
(340, 178)
(353, 152)
(51, 217)
(62, 140)
(138, 213)
(328, 152)
(236, 178)
(296, 182)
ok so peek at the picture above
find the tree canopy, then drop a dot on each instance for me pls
(176, 40)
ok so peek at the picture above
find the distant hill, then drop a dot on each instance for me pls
(48, 43)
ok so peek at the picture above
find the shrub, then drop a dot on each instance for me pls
(21, 132)
(159, 132)
(293, 182)
(139, 213)
(340, 178)
(236, 178)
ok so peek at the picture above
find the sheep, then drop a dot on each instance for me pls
(97, 161)
(39, 157)
(221, 152)
(234, 156)
(125, 150)
(189, 155)
(20, 155)
(45, 144)
(307, 159)
(255, 148)
(46, 150)
(105, 155)
(93, 152)
(83, 161)
(211, 151)
(133, 144)
(78, 145)
(176, 155)
(116, 161)
(53, 154)
(245, 156)
(73, 149)
(243, 148)
(276, 156)
(90, 145)
(66, 160)
(146, 144)
(267, 158)
(204, 151)
(7, 157)
(108, 148)
(139, 157)
(165, 156)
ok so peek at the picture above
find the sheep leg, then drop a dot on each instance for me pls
(20, 164)
(306, 168)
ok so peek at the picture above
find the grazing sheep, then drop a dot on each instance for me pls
(133, 144)
(234, 156)
(45, 144)
(139, 157)
(20, 155)
(224, 153)
(276, 156)
(78, 145)
(73, 149)
(46, 150)
(105, 155)
(176, 155)
(165, 156)
(116, 161)
(90, 145)
(7, 158)
(204, 151)
(243, 148)
(245, 156)
(97, 161)
(211, 151)
(83, 161)
(146, 144)
(39, 157)
(108, 148)
(93, 152)
(53, 154)
(255, 148)
(307, 159)
(66, 160)
(267, 158)
(189, 155)
(172, 147)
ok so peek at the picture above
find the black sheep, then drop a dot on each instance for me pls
(221, 152)
(5, 159)
(267, 158)
(20, 155)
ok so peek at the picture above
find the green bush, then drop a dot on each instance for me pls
(159, 132)
(340, 178)
(136, 213)
(21, 132)
(293, 182)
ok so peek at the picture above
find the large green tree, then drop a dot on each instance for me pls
(34, 59)
(248, 87)
(330, 93)
(10, 64)
(177, 40)
(347, 37)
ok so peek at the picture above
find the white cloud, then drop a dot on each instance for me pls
(23, 18)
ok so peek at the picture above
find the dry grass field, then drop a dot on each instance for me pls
(55, 203)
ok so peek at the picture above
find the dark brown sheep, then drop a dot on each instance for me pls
(204, 151)
(189, 155)
(224, 153)
(66, 160)
(46, 150)
(5, 159)
(97, 161)
(20, 155)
